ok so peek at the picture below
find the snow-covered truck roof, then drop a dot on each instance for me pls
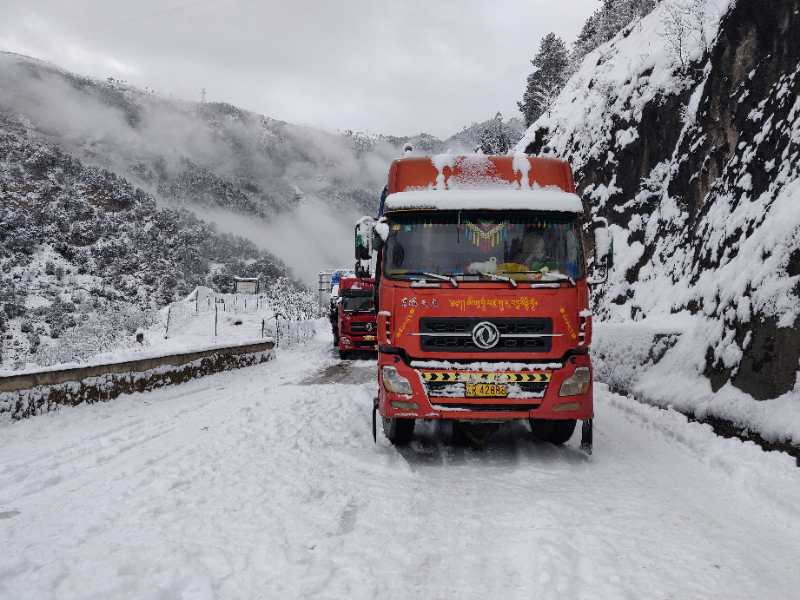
(477, 181)
(544, 199)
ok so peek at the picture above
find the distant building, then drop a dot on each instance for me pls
(246, 285)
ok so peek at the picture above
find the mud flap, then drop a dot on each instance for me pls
(375, 420)
(586, 436)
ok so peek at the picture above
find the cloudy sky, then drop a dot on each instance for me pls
(389, 66)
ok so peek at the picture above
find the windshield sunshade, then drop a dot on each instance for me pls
(454, 244)
(357, 303)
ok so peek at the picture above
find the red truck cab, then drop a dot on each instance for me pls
(356, 318)
(483, 295)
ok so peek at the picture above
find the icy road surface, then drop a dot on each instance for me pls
(260, 483)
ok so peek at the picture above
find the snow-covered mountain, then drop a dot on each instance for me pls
(272, 182)
(684, 132)
(116, 201)
(86, 258)
(232, 167)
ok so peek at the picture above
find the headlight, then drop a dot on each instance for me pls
(577, 383)
(394, 382)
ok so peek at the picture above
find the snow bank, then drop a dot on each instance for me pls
(662, 363)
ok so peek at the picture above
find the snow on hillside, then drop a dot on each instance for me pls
(86, 258)
(600, 108)
(202, 321)
(249, 174)
(267, 180)
(116, 201)
(694, 158)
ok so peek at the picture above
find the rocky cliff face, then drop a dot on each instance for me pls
(697, 168)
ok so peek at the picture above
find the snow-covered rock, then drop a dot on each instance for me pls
(696, 166)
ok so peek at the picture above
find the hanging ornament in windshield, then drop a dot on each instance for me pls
(486, 235)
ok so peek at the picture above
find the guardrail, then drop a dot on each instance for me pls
(32, 393)
(288, 333)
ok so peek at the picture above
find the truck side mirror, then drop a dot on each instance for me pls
(603, 252)
(363, 238)
(603, 246)
(381, 230)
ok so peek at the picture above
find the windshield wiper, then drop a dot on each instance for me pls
(451, 280)
(496, 277)
(548, 276)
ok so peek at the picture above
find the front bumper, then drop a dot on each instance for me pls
(349, 341)
(439, 392)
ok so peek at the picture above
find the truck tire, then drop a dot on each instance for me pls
(554, 431)
(398, 431)
(344, 355)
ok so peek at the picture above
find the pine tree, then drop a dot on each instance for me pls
(608, 20)
(587, 40)
(552, 69)
(495, 138)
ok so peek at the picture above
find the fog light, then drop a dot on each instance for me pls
(567, 407)
(404, 405)
(577, 383)
(394, 382)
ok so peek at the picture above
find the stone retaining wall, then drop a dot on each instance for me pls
(34, 393)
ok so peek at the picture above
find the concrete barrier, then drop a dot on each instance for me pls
(28, 394)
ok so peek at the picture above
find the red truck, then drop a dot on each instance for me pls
(483, 297)
(355, 324)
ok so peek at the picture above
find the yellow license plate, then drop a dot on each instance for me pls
(486, 390)
(369, 338)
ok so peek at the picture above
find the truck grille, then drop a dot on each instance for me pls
(362, 327)
(516, 335)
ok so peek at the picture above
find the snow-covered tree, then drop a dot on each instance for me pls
(495, 138)
(685, 26)
(587, 39)
(608, 20)
(551, 71)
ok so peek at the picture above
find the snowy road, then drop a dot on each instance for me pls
(261, 483)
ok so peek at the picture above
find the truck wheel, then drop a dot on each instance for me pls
(554, 431)
(344, 355)
(398, 431)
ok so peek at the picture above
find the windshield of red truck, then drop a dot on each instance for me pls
(360, 303)
(523, 245)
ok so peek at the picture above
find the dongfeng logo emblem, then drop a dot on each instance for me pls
(369, 327)
(485, 335)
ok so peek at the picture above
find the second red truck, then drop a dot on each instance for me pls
(353, 316)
